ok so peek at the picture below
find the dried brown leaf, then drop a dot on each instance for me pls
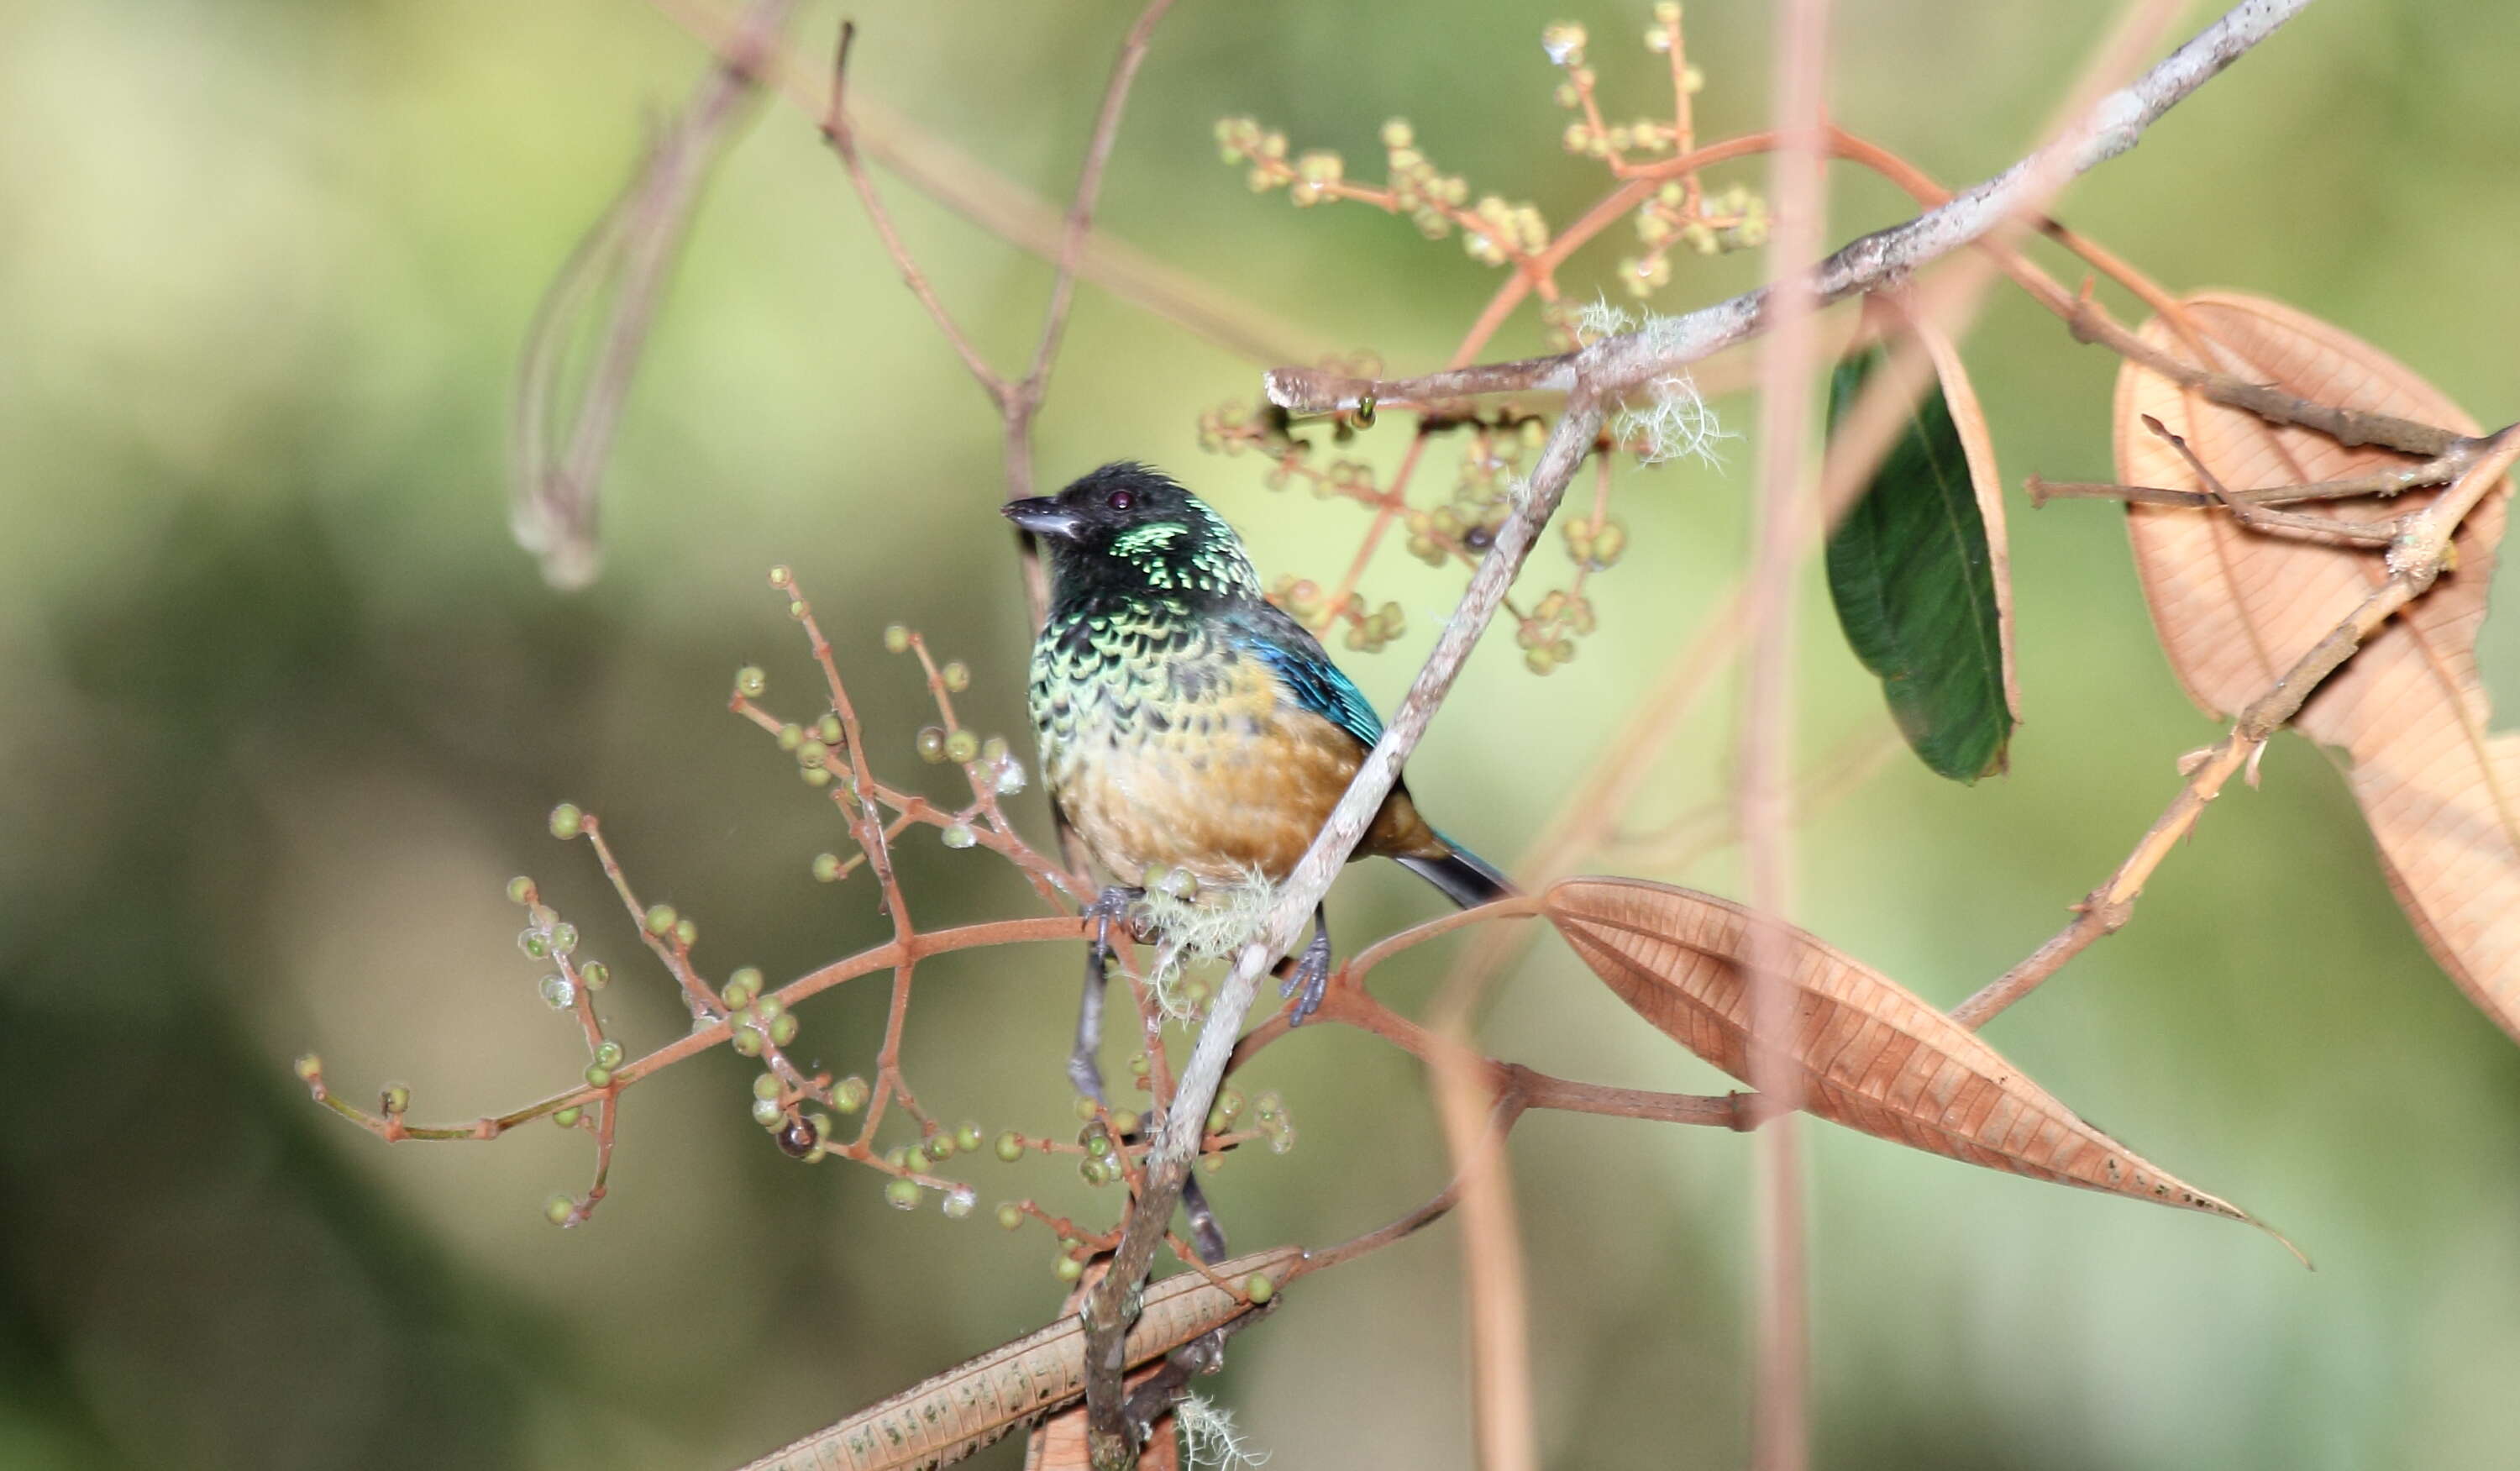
(1871, 1055)
(2234, 608)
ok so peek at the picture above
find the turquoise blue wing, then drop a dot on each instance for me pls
(1290, 653)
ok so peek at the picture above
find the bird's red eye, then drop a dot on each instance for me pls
(1122, 500)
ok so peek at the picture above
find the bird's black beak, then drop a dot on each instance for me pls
(1043, 516)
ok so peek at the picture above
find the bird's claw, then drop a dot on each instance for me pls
(1309, 981)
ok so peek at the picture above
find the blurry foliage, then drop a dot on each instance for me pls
(286, 709)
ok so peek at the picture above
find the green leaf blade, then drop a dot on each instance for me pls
(1911, 575)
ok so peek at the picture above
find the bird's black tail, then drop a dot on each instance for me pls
(1464, 877)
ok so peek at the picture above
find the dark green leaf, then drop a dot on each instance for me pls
(1914, 578)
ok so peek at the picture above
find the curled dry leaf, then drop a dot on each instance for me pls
(1872, 1055)
(2234, 608)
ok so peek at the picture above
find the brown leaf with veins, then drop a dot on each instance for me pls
(1872, 1055)
(2234, 608)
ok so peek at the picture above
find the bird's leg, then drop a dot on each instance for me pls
(1311, 978)
(1082, 1069)
(1086, 1072)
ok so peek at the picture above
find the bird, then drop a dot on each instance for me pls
(1189, 725)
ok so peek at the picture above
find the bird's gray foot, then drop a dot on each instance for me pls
(1309, 980)
(1110, 907)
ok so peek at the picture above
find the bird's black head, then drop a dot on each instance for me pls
(1129, 528)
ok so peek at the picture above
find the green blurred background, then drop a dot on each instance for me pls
(286, 708)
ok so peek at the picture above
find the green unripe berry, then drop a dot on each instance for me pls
(521, 890)
(1011, 1146)
(962, 746)
(1097, 1145)
(395, 1099)
(1067, 1268)
(768, 1087)
(850, 1095)
(559, 1209)
(791, 737)
(797, 608)
(535, 943)
(743, 986)
(1267, 1105)
(1086, 1108)
(956, 835)
(898, 1157)
(822, 1125)
(769, 1009)
(896, 638)
(567, 821)
(1011, 1217)
(940, 1147)
(567, 1117)
(750, 682)
(827, 867)
(608, 1053)
(686, 934)
(782, 1029)
(1258, 1288)
(1211, 1163)
(781, 577)
(746, 1039)
(956, 676)
(902, 1194)
(1124, 1123)
(309, 1068)
(828, 730)
(596, 974)
(968, 1138)
(767, 1113)
(1229, 1104)
(660, 918)
(598, 1075)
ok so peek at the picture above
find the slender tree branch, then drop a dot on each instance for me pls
(1568, 443)
(1004, 208)
(1671, 344)
(2415, 559)
(1089, 187)
(843, 137)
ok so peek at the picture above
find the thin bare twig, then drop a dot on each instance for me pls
(555, 502)
(2414, 559)
(1671, 344)
(1005, 209)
